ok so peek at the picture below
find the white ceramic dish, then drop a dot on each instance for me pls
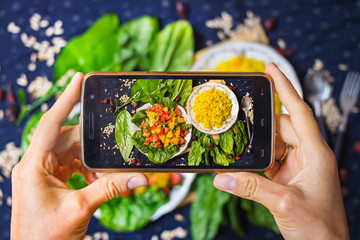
(186, 138)
(228, 50)
(233, 114)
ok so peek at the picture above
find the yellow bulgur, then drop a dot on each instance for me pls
(212, 108)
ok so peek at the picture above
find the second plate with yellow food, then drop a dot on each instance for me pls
(212, 108)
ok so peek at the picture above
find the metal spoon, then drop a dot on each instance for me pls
(317, 90)
(246, 106)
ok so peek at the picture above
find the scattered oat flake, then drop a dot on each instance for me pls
(178, 217)
(9, 201)
(343, 67)
(109, 129)
(8, 158)
(154, 237)
(22, 80)
(1, 114)
(13, 28)
(39, 86)
(281, 43)
(178, 232)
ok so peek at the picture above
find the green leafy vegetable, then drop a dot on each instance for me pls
(234, 218)
(195, 153)
(259, 215)
(123, 134)
(206, 212)
(164, 101)
(221, 158)
(135, 37)
(227, 141)
(173, 48)
(240, 138)
(139, 117)
(180, 88)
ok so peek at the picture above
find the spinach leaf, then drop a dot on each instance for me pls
(135, 37)
(227, 141)
(153, 99)
(131, 213)
(123, 134)
(180, 88)
(139, 117)
(233, 214)
(259, 215)
(98, 49)
(206, 212)
(240, 138)
(205, 142)
(142, 88)
(173, 48)
(221, 158)
(195, 154)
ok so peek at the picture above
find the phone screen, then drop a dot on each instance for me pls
(173, 123)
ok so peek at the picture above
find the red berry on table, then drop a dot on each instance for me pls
(138, 163)
(10, 96)
(289, 52)
(237, 158)
(270, 23)
(182, 9)
(280, 51)
(105, 100)
(357, 147)
(133, 161)
(1, 94)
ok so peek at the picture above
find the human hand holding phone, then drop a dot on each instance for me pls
(43, 206)
(303, 192)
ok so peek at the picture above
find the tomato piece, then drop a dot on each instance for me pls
(167, 113)
(168, 118)
(147, 141)
(161, 132)
(163, 118)
(182, 141)
(143, 123)
(158, 144)
(160, 113)
(175, 179)
(166, 130)
(186, 132)
(177, 111)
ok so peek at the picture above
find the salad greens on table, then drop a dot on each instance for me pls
(139, 44)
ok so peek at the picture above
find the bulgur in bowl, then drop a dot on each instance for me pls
(212, 108)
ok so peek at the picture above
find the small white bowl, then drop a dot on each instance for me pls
(233, 114)
(186, 138)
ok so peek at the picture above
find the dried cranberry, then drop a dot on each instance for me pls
(135, 104)
(280, 51)
(231, 88)
(357, 147)
(212, 145)
(10, 96)
(177, 99)
(133, 161)
(139, 163)
(237, 158)
(234, 88)
(230, 156)
(194, 138)
(11, 113)
(343, 173)
(270, 24)
(182, 9)
(289, 52)
(111, 102)
(1, 94)
(345, 190)
(106, 100)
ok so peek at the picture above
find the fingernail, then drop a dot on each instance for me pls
(136, 182)
(225, 182)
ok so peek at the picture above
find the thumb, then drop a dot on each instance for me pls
(253, 187)
(108, 187)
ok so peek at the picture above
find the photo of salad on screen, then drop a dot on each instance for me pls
(174, 122)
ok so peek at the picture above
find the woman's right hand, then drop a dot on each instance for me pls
(303, 192)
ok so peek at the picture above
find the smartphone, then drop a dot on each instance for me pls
(177, 122)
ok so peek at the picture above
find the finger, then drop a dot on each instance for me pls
(280, 148)
(301, 115)
(251, 186)
(284, 131)
(69, 136)
(75, 166)
(271, 173)
(48, 130)
(69, 155)
(109, 186)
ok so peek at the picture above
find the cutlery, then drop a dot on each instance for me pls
(348, 97)
(317, 91)
(246, 106)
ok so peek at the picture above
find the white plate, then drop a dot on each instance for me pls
(226, 51)
(233, 114)
(186, 138)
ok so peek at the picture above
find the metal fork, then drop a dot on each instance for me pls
(348, 97)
